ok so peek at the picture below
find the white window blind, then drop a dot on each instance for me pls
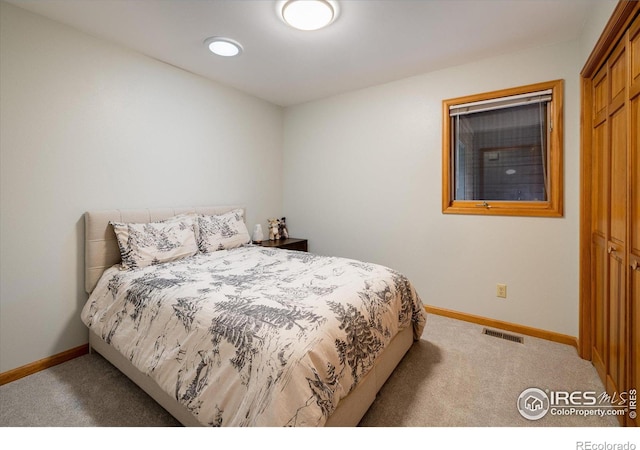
(500, 103)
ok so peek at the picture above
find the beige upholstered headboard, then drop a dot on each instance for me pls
(101, 246)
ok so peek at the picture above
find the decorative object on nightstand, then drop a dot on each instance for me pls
(284, 233)
(258, 235)
(288, 244)
(274, 229)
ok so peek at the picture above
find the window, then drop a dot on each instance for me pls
(502, 152)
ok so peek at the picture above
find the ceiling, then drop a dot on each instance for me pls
(371, 42)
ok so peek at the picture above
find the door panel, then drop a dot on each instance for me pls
(599, 224)
(634, 333)
(634, 323)
(600, 188)
(617, 220)
(618, 178)
(617, 77)
(634, 223)
(634, 59)
(617, 319)
(600, 312)
(600, 96)
(611, 201)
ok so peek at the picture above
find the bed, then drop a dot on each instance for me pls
(235, 334)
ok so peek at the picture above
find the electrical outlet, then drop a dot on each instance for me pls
(501, 290)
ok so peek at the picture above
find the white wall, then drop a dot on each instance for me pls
(599, 16)
(88, 125)
(363, 179)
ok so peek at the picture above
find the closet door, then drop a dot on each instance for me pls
(599, 222)
(610, 221)
(616, 242)
(634, 213)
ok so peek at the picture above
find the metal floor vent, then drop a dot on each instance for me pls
(502, 335)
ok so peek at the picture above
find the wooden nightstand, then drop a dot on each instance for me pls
(289, 244)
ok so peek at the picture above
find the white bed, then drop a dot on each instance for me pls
(346, 406)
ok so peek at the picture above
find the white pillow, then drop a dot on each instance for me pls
(222, 232)
(145, 244)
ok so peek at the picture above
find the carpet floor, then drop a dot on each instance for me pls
(455, 376)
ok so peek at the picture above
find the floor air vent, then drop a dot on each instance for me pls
(502, 335)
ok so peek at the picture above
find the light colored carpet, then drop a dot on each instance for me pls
(453, 377)
(84, 392)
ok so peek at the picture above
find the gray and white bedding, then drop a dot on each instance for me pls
(252, 336)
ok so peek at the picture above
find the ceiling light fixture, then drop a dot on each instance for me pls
(309, 15)
(223, 46)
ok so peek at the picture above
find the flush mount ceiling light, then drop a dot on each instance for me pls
(223, 46)
(309, 15)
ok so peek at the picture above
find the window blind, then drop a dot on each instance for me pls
(500, 103)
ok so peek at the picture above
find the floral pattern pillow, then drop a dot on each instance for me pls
(145, 244)
(222, 232)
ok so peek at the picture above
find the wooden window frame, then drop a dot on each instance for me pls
(553, 207)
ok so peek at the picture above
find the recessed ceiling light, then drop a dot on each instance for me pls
(309, 15)
(223, 46)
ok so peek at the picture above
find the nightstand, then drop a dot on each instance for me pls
(289, 244)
